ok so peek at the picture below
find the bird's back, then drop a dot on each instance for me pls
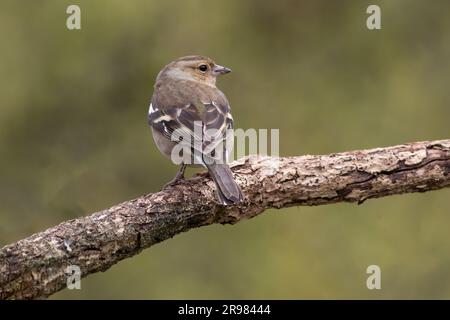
(171, 93)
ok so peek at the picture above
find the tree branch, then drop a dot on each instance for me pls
(35, 267)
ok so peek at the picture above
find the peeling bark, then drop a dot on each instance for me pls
(35, 267)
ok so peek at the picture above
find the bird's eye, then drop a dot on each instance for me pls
(203, 67)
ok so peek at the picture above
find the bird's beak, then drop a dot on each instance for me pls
(220, 70)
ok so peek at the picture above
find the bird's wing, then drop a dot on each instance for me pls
(172, 119)
(217, 123)
(205, 124)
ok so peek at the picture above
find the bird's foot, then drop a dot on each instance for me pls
(173, 182)
(179, 176)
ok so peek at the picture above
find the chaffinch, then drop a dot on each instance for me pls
(188, 109)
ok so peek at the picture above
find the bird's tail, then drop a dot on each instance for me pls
(228, 191)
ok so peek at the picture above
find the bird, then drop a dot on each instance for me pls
(188, 110)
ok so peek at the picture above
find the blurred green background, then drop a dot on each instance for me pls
(74, 137)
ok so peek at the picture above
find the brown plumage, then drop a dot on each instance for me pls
(186, 100)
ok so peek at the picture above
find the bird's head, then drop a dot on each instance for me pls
(196, 68)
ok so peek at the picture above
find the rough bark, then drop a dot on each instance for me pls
(35, 267)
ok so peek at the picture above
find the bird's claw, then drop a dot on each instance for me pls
(172, 182)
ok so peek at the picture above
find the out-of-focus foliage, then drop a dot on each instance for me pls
(74, 137)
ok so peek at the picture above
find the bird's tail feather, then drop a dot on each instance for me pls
(228, 191)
